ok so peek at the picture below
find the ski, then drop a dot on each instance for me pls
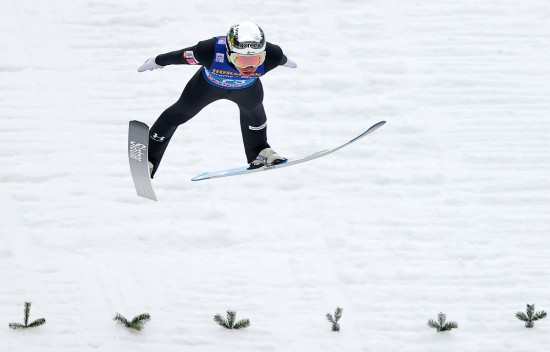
(138, 148)
(289, 162)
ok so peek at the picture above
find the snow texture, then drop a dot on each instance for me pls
(444, 209)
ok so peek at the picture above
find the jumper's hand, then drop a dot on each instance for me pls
(290, 63)
(149, 65)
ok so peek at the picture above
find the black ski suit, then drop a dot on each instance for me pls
(198, 93)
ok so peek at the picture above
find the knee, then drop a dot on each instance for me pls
(255, 111)
(174, 117)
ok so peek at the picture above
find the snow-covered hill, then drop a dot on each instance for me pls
(446, 208)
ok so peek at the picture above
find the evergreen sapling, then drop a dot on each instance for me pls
(230, 322)
(137, 323)
(26, 324)
(334, 319)
(531, 316)
(441, 324)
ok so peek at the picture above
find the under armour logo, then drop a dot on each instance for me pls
(158, 138)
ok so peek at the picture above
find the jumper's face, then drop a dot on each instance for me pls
(247, 64)
(246, 71)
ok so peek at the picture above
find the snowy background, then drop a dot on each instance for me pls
(446, 208)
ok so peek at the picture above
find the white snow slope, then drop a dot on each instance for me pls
(444, 209)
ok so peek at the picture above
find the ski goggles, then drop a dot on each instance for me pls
(242, 61)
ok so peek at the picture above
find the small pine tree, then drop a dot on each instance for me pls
(531, 316)
(334, 319)
(26, 324)
(136, 323)
(230, 322)
(441, 324)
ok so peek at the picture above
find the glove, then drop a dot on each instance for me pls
(149, 65)
(290, 63)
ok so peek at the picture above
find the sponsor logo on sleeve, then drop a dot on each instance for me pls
(220, 57)
(221, 41)
(190, 57)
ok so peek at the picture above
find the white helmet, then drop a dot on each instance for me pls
(245, 38)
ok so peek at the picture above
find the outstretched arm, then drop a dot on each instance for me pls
(200, 54)
(276, 58)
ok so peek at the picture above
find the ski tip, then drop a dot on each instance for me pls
(377, 125)
(146, 195)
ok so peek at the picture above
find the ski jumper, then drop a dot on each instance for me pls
(216, 79)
